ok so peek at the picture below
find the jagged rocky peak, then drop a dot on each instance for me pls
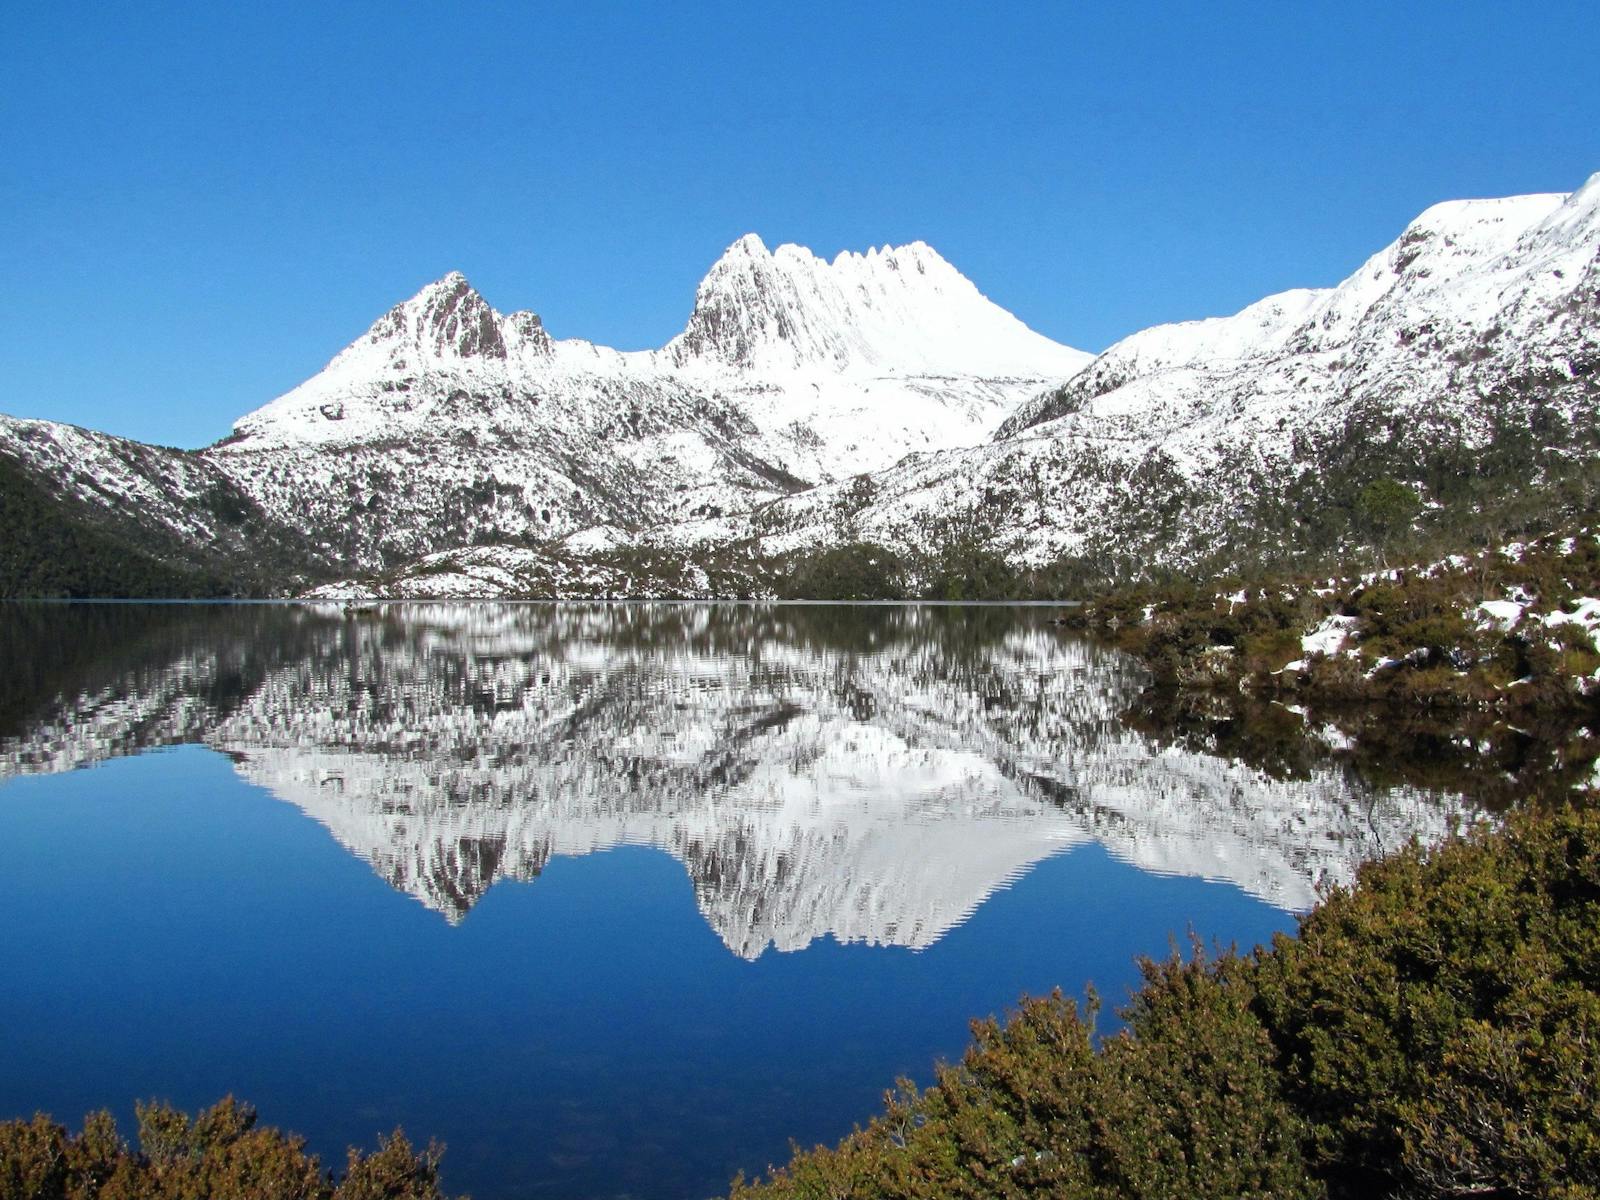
(446, 318)
(526, 330)
(450, 319)
(896, 309)
(742, 305)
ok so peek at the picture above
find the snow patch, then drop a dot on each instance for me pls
(1328, 638)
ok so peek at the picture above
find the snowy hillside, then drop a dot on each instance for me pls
(449, 424)
(147, 503)
(1470, 345)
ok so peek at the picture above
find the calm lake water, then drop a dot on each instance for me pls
(613, 901)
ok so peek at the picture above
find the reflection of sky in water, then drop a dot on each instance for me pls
(676, 783)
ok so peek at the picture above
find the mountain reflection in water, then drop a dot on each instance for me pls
(873, 773)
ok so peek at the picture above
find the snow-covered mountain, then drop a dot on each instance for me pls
(872, 778)
(457, 451)
(172, 511)
(1464, 355)
(892, 311)
(449, 423)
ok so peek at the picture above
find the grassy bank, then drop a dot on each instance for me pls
(1477, 672)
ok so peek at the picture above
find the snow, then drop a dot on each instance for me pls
(791, 372)
(899, 310)
(521, 572)
(1328, 638)
(1499, 614)
(1585, 614)
(785, 331)
(872, 397)
(1221, 413)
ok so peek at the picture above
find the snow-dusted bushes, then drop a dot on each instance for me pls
(1503, 630)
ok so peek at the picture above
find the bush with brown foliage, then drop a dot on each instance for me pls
(223, 1154)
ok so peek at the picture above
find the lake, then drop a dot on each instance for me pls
(612, 900)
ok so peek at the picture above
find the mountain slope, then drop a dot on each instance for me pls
(88, 514)
(1463, 361)
(880, 398)
(449, 424)
(52, 550)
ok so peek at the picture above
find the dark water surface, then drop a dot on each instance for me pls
(611, 900)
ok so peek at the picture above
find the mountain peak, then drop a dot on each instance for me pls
(893, 310)
(749, 246)
(916, 255)
(446, 318)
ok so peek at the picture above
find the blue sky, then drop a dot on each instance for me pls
(200, 205)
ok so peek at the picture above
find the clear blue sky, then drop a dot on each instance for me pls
(200, 205)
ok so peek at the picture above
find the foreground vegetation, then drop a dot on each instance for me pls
(1433, 1031)
(223, 1154)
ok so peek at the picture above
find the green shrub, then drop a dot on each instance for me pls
(1433, 1031)
(965, 572)
(1271, 650)
(1183, 1103)
(1439, 1024)
(855, 571)
(1187, 1101)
